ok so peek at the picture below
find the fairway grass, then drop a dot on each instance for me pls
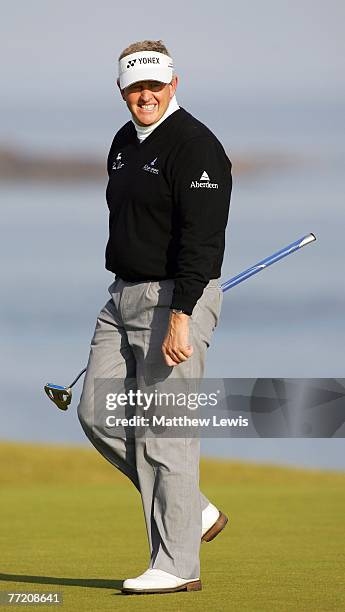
(70, 523)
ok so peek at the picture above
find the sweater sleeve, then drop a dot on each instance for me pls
(201, 190)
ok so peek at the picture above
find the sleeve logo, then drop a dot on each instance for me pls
(204, 182)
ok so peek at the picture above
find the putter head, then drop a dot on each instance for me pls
(61, 396)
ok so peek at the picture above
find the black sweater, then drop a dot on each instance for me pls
(168, 199)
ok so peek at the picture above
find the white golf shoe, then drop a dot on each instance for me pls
(213, 522)
(158, 581)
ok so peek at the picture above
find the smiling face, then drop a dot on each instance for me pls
(148, 100)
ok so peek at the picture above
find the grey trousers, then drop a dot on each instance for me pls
(127, 342)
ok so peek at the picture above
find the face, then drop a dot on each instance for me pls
(148, 100)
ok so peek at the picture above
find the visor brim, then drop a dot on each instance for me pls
(163, 75)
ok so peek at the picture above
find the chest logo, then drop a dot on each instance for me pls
(118, 162)
(151, 167)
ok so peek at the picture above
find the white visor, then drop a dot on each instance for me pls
(145, 66)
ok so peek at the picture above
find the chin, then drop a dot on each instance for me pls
(147, 119)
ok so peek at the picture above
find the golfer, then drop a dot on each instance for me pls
(168, 197)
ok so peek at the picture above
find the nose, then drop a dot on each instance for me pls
(145, 95)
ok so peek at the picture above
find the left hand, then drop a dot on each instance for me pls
(176, 347)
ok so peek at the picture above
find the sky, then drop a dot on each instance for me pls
(66, 51)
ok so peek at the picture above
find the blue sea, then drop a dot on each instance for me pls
(287, 321)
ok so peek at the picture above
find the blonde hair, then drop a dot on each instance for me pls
(145, 45)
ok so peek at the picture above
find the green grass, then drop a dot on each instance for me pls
(73, 524)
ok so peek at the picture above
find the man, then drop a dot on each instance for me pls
(168, 196)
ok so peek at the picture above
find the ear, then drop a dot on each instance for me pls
(173, 85)
(121, 90)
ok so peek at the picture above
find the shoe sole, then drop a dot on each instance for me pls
(195, 585)
(216, 528)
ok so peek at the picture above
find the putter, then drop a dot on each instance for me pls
(62, 396)
(268, 261)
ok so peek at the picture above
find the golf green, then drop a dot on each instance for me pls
(72, 524)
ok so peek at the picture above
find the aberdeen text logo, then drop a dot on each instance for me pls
(204, 182)
(150, 167)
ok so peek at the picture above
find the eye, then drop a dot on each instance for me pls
(133, 88)
(156, 86)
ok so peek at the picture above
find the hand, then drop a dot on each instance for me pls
(176, 347)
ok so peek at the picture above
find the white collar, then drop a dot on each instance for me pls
(143, 131)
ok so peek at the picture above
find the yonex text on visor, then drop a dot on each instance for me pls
(145, 66)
